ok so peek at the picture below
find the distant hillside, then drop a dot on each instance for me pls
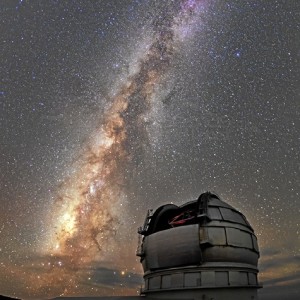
(7, 298)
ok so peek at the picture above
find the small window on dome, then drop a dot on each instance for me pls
(214, 213)
(232, 216)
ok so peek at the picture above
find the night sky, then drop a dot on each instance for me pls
(111, 107)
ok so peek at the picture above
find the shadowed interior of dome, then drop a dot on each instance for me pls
(170, 215)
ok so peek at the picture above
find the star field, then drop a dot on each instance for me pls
(109, 108)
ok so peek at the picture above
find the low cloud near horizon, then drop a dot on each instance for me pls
(279, 275)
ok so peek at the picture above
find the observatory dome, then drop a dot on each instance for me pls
(203, 248)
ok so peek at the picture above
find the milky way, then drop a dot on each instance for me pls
(88, 207)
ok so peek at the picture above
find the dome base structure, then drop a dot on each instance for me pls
(204, 249)
(208, 294)
(205, 282)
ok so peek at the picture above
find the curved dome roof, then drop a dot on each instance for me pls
(206, 230)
